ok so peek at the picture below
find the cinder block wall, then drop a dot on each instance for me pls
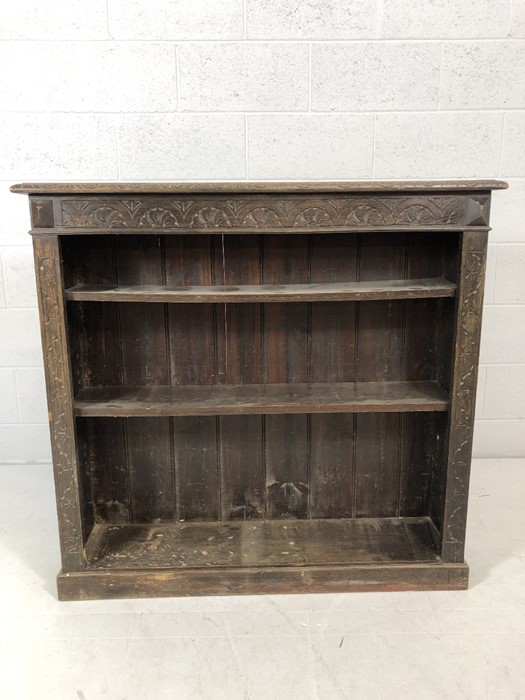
(263, 89)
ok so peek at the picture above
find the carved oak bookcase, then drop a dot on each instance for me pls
(260, 388)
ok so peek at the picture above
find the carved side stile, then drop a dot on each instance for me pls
(463, 394)
(59, 396)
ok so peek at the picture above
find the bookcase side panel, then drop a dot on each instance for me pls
(463, 393)
(59, 395)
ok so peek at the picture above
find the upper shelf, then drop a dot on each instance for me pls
(243, 399)
(40, 188)
(340, 291)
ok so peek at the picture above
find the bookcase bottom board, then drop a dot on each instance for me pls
(292, 556)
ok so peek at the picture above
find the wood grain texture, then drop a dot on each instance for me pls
(331, 465)
(332, 340)
(103, 456)
(379, 356)
(241, 467)
(60, 393)
(377, 464)
(94, 585)
(196, 467)
(464, 383)
(286, 362)
(254, 186)
(144, 352)
(259, 212)
(190, 330)
(240, 399)
(238, 261)
(340, 291)
(259, 544)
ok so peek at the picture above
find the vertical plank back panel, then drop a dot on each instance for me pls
(196, 467)
(377, 464)
(104, 459)
(237, 260)
(379, 357)
(239, 352)
(286, 327)
(145, 362)
(94, 348)
(242, 467)
(333, 258)
(192, 340)
(418, 448)
(380, 323)
(193, 360)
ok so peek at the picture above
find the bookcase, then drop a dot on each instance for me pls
(260, 387)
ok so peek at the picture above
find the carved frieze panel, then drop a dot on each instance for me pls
(260, 212)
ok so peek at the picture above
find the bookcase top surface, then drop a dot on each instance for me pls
(42, 188)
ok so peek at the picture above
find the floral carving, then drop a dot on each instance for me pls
(462, 412)
(107, 216)
(210, 217)
(59, 400)
(368, 214)
(261, 217)
(157, 217)
(261, 211)
(312, 217)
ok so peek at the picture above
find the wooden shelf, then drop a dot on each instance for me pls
(256, 543)
(205, 400)
(340, 291)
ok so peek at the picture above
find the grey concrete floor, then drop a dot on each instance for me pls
(466, 644)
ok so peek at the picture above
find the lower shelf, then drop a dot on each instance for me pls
(232, 399)
(262, 543)
(292, 556)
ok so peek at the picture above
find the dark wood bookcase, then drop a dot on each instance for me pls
(260, 388)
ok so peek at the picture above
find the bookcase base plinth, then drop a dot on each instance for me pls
(261, 557)
(99, 584)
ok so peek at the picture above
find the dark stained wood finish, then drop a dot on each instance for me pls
(196, 467)
(145, 362)
(250, 187)
(264, 212)
(242, 399)
(464, 382)
(377, 464)
(332, 340)
(342, 291)
(242, 467)
(190, 332)
(103, 457)
(72, 530)
(332, 465)
(379, 357)
(285, 364)
(414, 576)
(267, 543)
(240, 362)
(260, 387)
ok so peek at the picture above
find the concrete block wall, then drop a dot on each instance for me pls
(263, 89)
